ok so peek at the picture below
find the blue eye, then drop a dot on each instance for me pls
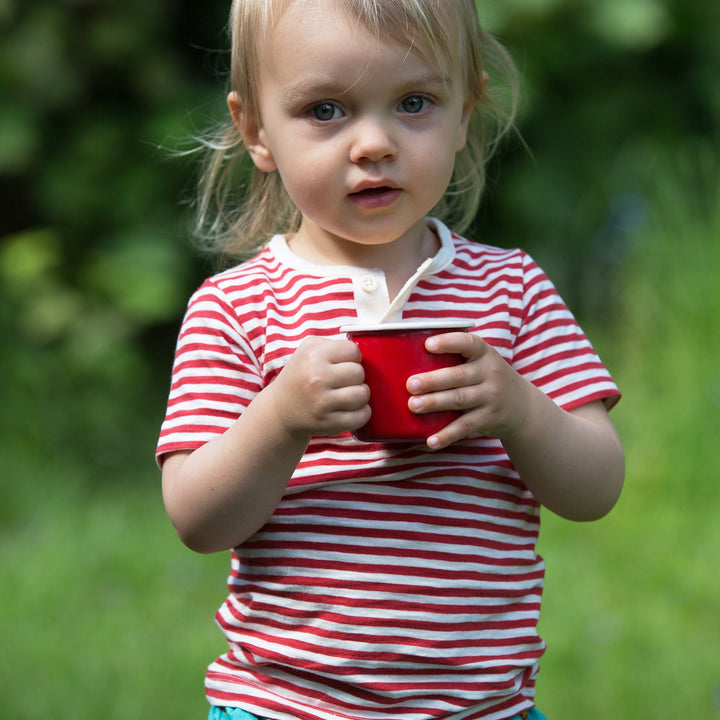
(325, 111)
(414, 104)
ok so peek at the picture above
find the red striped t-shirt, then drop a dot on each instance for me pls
(391, 582)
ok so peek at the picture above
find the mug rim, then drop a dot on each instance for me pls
(407, 326)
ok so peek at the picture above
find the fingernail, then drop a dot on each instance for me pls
(414, 385)
(416, 403)
(433, 441)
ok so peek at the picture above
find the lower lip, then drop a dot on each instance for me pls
(375, 201)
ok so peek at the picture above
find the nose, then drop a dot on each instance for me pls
(372, 141)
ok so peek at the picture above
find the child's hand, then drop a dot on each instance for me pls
(321, 389)
(490, 393)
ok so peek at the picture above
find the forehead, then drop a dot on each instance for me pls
(423, 28)
(324, 52)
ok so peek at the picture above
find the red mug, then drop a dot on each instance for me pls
(391, 353)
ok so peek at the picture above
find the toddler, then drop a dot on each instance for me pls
(373, 581)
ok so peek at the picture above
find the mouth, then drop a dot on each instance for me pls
(377, 196)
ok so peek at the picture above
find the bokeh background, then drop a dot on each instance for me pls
(103, 613)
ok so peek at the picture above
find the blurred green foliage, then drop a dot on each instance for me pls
(611, 86)
(94, 258)
(618, 202)
(94, 266)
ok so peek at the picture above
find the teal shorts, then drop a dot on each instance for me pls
(230, 713)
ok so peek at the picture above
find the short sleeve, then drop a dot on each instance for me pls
(215, 374)
(552, 351)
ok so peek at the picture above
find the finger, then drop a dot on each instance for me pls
(344, 350)
(346, 373)
(452, 433)
(329, 350)
(343, 421)
(350, 398)
(454, 376)
(467, 344)
(455, 399)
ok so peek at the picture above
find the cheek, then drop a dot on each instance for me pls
(306, 171)
(436, 163)
(435, 149)
(306, 183)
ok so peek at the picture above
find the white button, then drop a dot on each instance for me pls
(369, 284)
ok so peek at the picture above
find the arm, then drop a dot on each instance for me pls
(220, 494)
(572, 461)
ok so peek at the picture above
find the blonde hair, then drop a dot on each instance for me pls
(240, 207)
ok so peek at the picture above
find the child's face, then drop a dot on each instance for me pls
(363, 132)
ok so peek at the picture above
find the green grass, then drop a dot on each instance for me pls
(106, 615)
(630, 613)
(632, 605)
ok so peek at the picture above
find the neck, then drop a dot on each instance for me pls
(398, 259)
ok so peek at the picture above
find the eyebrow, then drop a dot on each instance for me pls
(323, 87)
(311, 88)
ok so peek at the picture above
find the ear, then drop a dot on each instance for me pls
(470, 104)
(252, 134)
